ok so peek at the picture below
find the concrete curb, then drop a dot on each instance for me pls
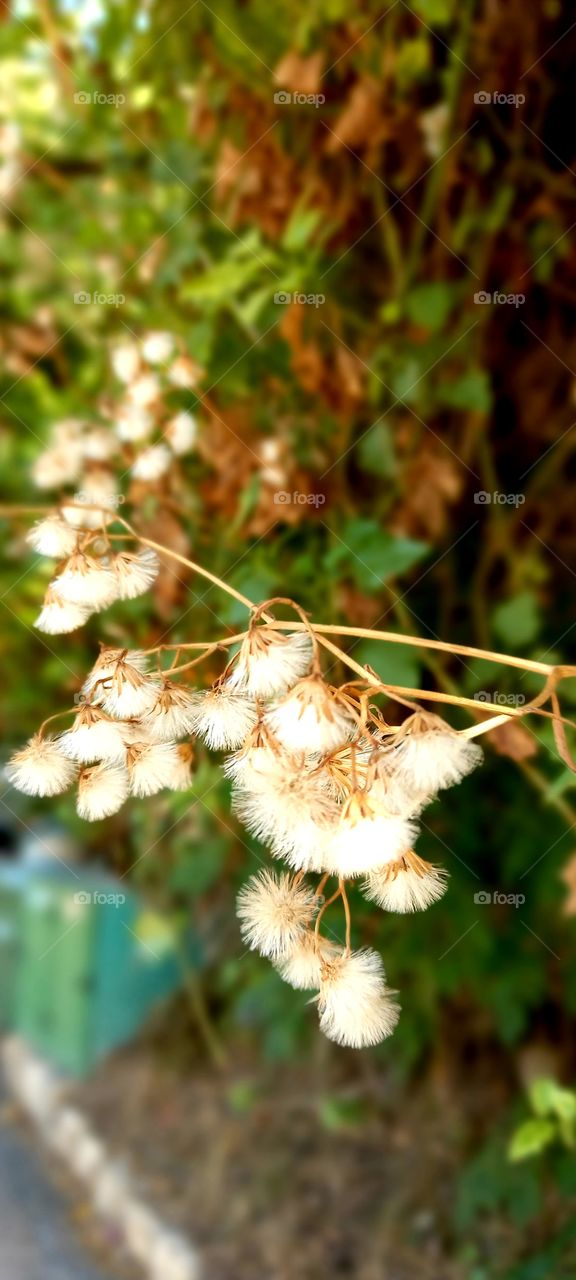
(67, 1133)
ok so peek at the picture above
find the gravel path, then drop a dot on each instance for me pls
(36, 1234)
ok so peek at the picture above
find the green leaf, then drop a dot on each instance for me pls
(413, 60)
(394, 663)
(531, 1138)
(549, 1098)
(300, 229)
(338, 1114)
(372, 555)
(376, 452)
(437, 12)
(429, 305)
(471, 391)
(517, 621)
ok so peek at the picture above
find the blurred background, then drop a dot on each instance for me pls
(358, 224)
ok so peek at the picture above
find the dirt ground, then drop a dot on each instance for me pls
(294, 1173)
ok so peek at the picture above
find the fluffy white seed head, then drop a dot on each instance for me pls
(109, 659)
(223, 718)
(184, 373)
(269, 663)
(301, 966)
(119, 683)
(310, 718)
(93, 737)
(58, 617)
(172, 715)
(99, 445)
(355, 1006)
(134, 573)
(86, 581)
(432, 756)
(258, 764)
(181, 433)
(125, 361)
(152, 463)
(152, 766)
(398, 796)
(53, 537)
(57, 466)
(128, 694)
(292, 813)
(274, 912)
(157, 346)
(144, 390)
(410, 884)
(366, 838)
(107, 663)
(40, 768)
(133, 424)
(102, 791)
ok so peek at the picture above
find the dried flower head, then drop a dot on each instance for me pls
(223, 718)
(118, 682)
(157, 347)
(291, 811)
(152, 463)
(102, 791)
(431, 755)
(99, 445)
(59, 617)
(40, 768)
(125, 361)
(93, 737)
(356, 1008)
(181, 433)
(274, 912)
(269, 662)
(302, 965)
(366, 837)
(310, 718)
(86, 581)
(134, 573)
(57, 466)
(172, 714)
(153, 766)
(133, 424)
(408, 884)
(144, 391)
(53, 537)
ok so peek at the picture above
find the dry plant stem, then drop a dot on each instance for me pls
(419, 642)
(70, 711)
(346, 904)
(324, 907)
(322, 630)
